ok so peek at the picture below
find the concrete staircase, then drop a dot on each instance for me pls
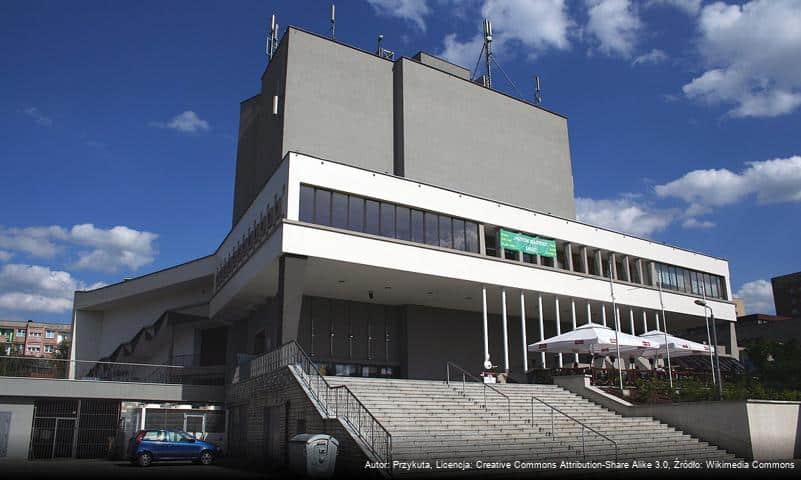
(433, 421)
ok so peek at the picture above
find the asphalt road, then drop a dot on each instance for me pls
(113, 470)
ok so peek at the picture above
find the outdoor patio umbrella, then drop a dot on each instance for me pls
(594, 339)
(678, 347)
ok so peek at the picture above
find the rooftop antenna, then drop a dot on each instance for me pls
(272, 41)
(379, 50)
(488, 50)
(383, 52)
(537, 90)
(333, 20)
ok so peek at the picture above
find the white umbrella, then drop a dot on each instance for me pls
(595, 339)
(678, 347)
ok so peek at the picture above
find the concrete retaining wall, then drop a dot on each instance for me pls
(19, 435)
(751, 429)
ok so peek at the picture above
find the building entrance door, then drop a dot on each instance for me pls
(195, 424)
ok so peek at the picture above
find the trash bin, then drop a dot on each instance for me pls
(313, 455)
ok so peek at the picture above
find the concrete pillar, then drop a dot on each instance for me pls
(558, 328)
(542, 326)
(291, 281)
(652, 269)
(644, 321)
(626, 268)
(639, 270)
(573, 317)
(505, 332)
(613, 265)
(569, 256)
(603, 314)
(523, 328)
(482, 242)
(599, 263)
(589, 312)
(631, 319)
(486, 333)
(584, 265)
(657, 322)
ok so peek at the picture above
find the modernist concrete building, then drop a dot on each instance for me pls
(787, 294)
(389, 217)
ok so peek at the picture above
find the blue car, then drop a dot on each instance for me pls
(150, 446)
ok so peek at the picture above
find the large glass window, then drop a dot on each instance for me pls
(371, 217)
(322, 207)
(402, 228)
(418, 228)
(387, 219)
(356, 214)
(458, 234)
(471, 237)
(306, 204)
(432, 228)
(339, 210)
(445, 232)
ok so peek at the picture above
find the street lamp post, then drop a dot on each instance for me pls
(715, 346)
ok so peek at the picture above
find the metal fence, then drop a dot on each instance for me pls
(337, 401)
(34, 367)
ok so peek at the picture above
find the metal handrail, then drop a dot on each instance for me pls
(94, 370)
(344, 406)
(466, 374)
(582, 424)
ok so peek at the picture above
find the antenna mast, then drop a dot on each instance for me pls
(537, 90)
(488, 50)
(333, 20)
(272, 41)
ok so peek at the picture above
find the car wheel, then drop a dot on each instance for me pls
(144, 459)
(206, 457)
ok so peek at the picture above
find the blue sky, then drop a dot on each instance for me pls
(119, 123)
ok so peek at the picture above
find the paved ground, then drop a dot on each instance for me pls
(113, 470)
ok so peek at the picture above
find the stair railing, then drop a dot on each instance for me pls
(472, 378)
(583, 425)
(336, 401)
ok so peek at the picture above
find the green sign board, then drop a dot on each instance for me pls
(526, 244)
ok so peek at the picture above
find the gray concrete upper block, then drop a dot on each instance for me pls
(338, 103)
(463, 136)
(444, 65)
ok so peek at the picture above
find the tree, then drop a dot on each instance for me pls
(63, 350)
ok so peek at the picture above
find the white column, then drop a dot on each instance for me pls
(144, 414)
(558, 329)
(523, 329)
(486, 341)
(589, 312)
(631, 318)
(603, 314)
(505, 332)
(657, 323)
(644, 322)
(573, 317)
(542, 326)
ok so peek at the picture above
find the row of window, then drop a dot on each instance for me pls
(352, 212)
(48, 333)
(690, 281)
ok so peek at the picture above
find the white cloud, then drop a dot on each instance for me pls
(690, 7)
(773, 181)
(614, 25)
(38, 116)
(410, 10)
(37, 288)
(653, 57)
(5, 256)
(751, 54)
(693, 222)
(37, 241)
(624, 215)
(104, 249)
(758, 297)
(186, 122)
(534, 26)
